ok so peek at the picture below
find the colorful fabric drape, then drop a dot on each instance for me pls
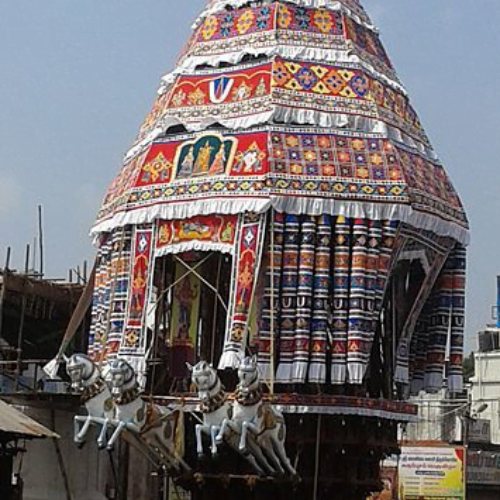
(418, 351)
(440, 329)
(304, 300)
(359, 323)
(340, 299)
(289, 285)
(269, 328)
(134, 342)
(110, 295)
(333, 278)
(455, 372)
(246, 266)
(321, 294)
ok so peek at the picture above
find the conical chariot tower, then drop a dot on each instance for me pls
(283, 200)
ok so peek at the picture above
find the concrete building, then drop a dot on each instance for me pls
(485, 384)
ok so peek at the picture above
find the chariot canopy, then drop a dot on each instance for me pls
(282, 198)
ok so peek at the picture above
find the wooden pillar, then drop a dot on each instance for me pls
(6, 468)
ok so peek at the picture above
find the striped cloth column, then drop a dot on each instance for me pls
(373, 293)
(100, 301)
(385, 258)
(289, 283)
(269, 322)
(340, 309)
(359, 323)
(418, 360)
(304, 300)
(455, 374)
(440, 328)
(121, 273)
(321, 292)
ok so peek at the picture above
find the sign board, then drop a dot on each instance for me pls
(432, 473)
(478, 430)
(483, 468)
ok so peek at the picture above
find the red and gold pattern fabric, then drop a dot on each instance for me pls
(280, 29)
(286, 90)
(298, 171)
(246, 266)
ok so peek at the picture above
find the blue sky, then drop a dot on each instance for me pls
(77, 78)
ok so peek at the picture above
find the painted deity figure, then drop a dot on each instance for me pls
(249, 161)
(219, 164)
(138, 285)
(185, 293)
(187, 164)
(202, 163)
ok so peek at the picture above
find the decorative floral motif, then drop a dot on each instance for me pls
(209, 27)
(323, 20)
(157, 170)
(245, 21)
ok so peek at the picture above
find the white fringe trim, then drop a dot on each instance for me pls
(343, 410)
(356, 123)
(299, 373)
(356, 372)
(433, 382)
(286, 204)
(265, 371)
(402, 375)
(284, 373)
(231, 360)
(416, 386)
(291, 115)
(317, 373)
(195, 245)
(455, 383)
(339, 374)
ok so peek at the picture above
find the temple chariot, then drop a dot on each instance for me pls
(281, 238)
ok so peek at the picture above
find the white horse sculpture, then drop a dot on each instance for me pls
(155, 427)
(216, 409)
(86, 378)
(252, 417)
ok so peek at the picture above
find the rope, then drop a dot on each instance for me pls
(316, 463)
(272, 306)
(216, 309)
(203, 280)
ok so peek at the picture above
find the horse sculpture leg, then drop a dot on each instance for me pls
(245, 427)
(214, 431)
(80, 433)
(223, 430)
(257, 458)
(101, 440)
(200, 429)
(279, 447)
(115, 436)
(268, 444)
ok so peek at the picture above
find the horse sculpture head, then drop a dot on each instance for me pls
(206, 379)
(248, 372)
(121, 376)
(81, 370)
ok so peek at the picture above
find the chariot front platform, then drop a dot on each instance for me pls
(335, 442)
